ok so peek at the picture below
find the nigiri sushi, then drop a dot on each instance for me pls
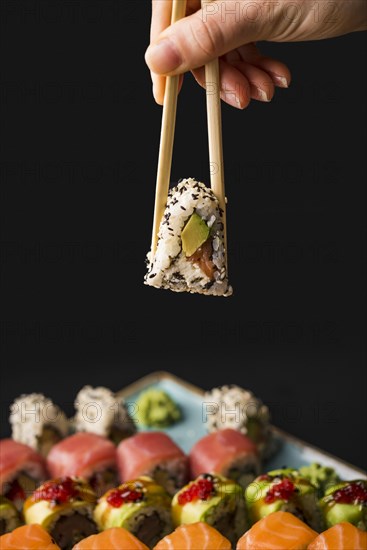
(64, 507)
(109, 416)
(28, 537)
(9, 516)
(226, 452)
(36, 421)
(342, 536)
(346, 501)
(194, 536)
(287, 491)
(215, 500)
(86, 455)
(140, 506)
(21, 470)
(277, 531)
(153, 454)
(115, 538)
(190, 255)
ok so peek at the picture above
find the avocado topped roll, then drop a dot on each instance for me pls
(64, 507)
(9, 516)
(141, 506)
(346, 501)
(215, 500)
(190, 254)
(283, 490)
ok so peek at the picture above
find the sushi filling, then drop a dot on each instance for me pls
(104, 480)
(18, 489)
(70, 529)
(171, 476)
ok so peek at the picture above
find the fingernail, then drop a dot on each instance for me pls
(263, 96)
(163, 57)
(232, 100)
(279, 80)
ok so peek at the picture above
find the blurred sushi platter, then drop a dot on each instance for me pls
(165, 465)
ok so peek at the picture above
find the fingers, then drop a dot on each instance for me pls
(161, 19)
(278, 71)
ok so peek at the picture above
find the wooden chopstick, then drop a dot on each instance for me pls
(213, 108)
(167, 137)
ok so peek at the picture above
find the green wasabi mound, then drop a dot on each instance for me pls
(321, 477)
(156, 409)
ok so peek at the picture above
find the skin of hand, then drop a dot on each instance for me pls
(228, 29)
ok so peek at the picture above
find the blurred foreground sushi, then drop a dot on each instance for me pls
(215, 500)
(190, 255)
(284, 490)
(346, 501)
(342, 536)
(21, 470)
(28, 537)
(194, 536)
(277, 531)
(140, 506)
(64, 507)
(9, 516)
(115, 538)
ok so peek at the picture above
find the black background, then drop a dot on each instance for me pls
(79, 151)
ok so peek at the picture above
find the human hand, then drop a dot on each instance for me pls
(228, 29)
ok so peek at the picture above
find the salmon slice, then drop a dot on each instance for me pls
(277, 531)
(81, 455)
(15, 458)
(28, 537)
(111, 539)
(194, 536)
(218, 451)
(341, 536)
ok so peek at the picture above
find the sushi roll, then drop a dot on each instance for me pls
(141, 506)
(21, 470)
(215, 500)
(346, 501)
(28, 537)
(153, 454)
(37, 422)
(102, 412)
(115, 538)
(278, 531)
(9, 516)
(226, 452)
(190, 254)
(236, 408)
(341, 536)
(194, 536)
(64, 507)
(322, 477)
(284, 490)
(85, 455)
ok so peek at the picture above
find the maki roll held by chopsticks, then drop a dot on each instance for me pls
(21, 470)
(9, 516)
(64, 507)
(190, 254)
(141, 506)
(346, 501)
(215, 500)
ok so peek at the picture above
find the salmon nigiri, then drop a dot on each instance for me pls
(277, 531)
(111, 539)
(340, 536)
(194, 536)
(28, 537)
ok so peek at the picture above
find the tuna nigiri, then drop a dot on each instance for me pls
(153, 454)
(339, 537)
(86, 455)
(28, 537)
(111, 539)
(21, 470)
(277, 531)
(226, 452)
(194, 536)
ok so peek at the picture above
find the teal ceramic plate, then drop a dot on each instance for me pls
(292, 452)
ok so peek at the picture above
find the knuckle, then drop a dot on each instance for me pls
(208, 38)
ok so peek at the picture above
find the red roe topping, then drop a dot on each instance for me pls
(58, 491)
(353, 493)
(283, 490)
(16, 492)
(124, 494)
(202, 489)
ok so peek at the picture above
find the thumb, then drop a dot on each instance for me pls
(214, 30)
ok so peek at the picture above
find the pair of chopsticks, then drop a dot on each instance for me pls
(167, 136)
